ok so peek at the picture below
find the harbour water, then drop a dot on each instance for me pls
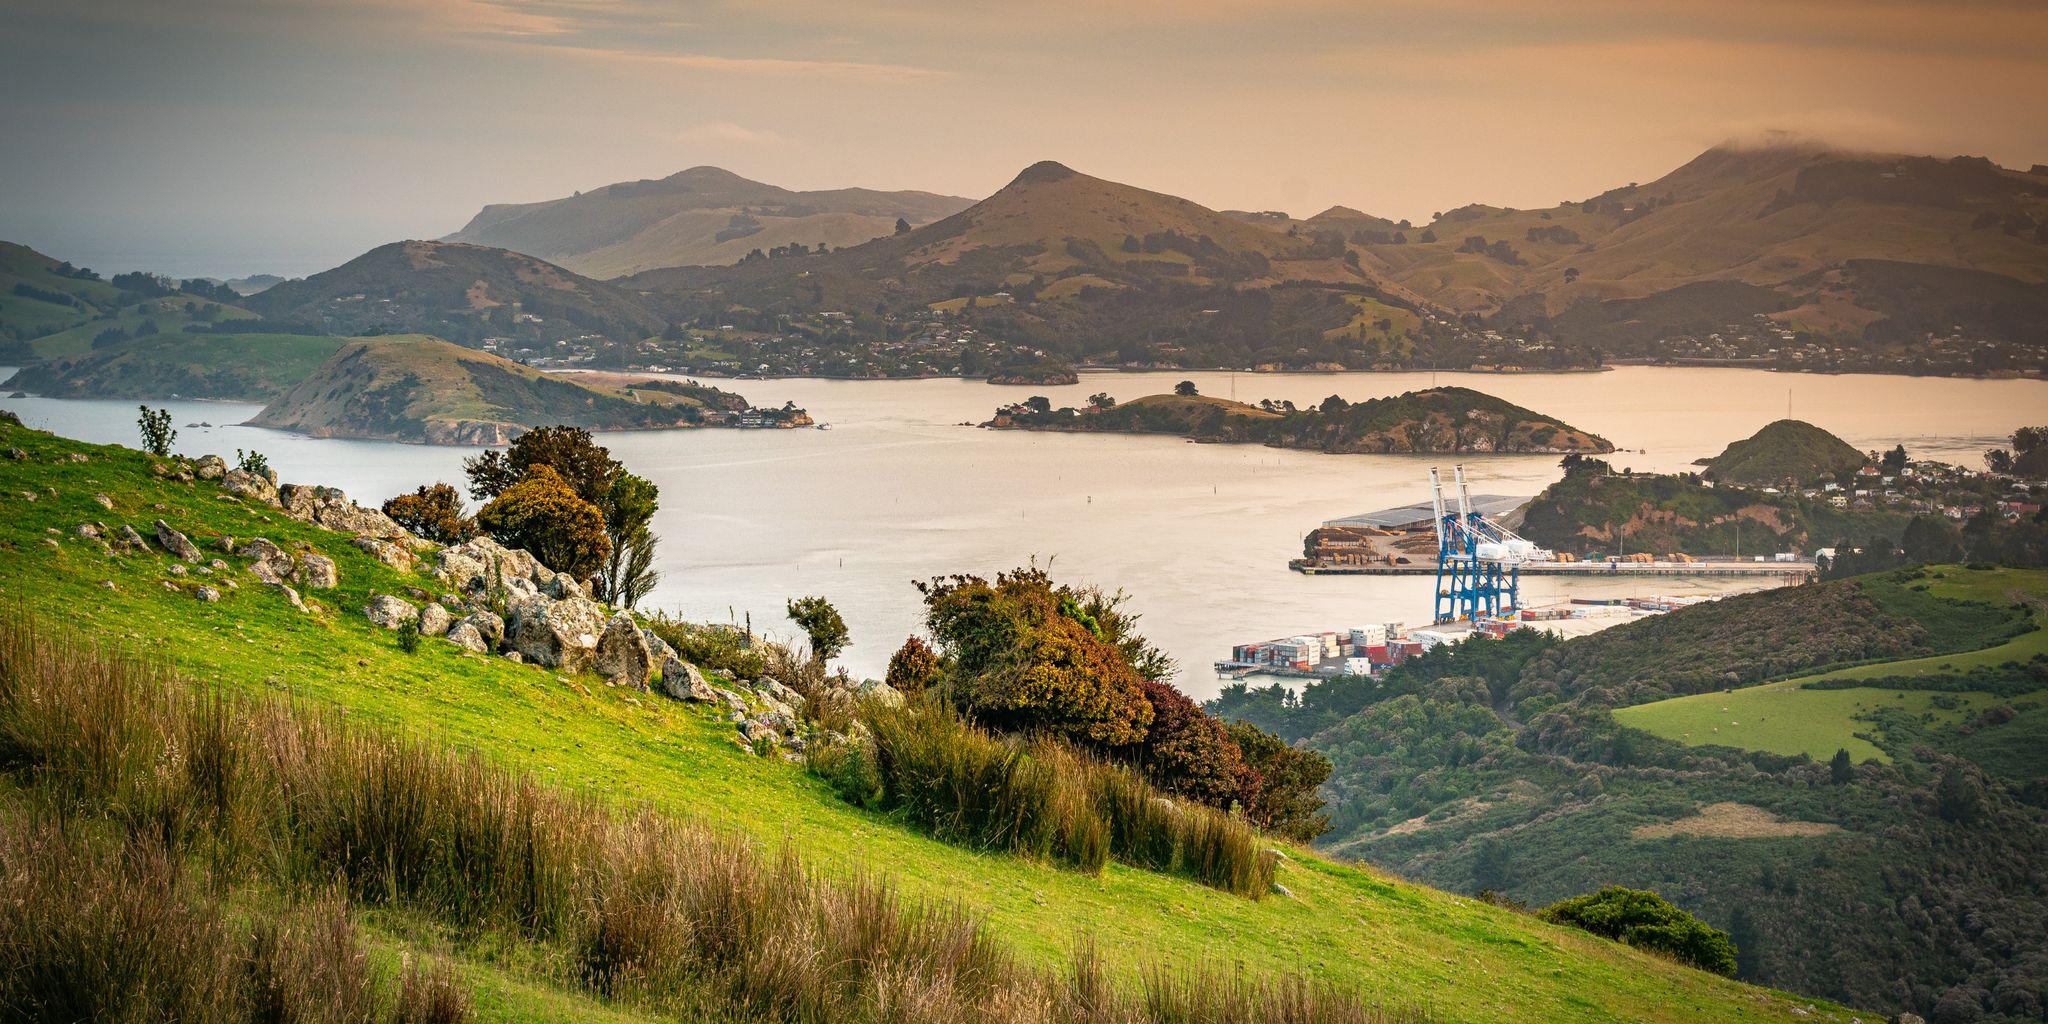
(1198, 535)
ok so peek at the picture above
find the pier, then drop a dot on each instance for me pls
(1705, 567)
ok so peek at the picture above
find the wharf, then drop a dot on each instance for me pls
(1704, 567)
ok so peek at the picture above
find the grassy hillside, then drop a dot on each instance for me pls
(415, 388)
(703, 215)
(1516, 766)
(229, 367)
(461, 292)
(1784, 450)
(1389, 940)
(1437, 420)
(40, 295)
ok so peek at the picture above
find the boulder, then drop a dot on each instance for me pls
(562, 586)
(330, 507)
(465, 635)
(317, 572)
(775, 690)
(177, 543)
(733, 701)
(268, 562)
(389, 612)
(207, 594)
(391, 553)
(435, 620)
(133, 539)
(622, 656)
(291, 597)
(682, 681)
(250, 486)
(487, 624)
(103, 501)
(880, 692)
(557, 634)
(211, 467)
(89, 531)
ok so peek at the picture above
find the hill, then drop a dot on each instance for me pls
(1785, 450)
(464, 293)
(1660, 753)
(419, 389)
(704, 215)
(1437, 420)
(1810, 238)
(40, 295)
(1063, 265)
(236, 367)
(1393, 942)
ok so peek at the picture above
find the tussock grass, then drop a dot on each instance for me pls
(648, 910)
(1041, 798)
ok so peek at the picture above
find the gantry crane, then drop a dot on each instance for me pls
(1478, 561)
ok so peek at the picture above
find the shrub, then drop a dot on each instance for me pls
(542, 514)
(409, 636)
(157, 435)
(725, 649)
(822, 623)
(1281, 781)
(254, 462)
(433, 512)
(914, 668)
(1646, 920)
(1188, 752)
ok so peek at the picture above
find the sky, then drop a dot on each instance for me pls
(227, 137)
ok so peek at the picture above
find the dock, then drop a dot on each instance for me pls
(1795, 569)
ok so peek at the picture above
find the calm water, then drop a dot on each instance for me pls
(1198, 534)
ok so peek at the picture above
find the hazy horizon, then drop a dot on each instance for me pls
(229, 137)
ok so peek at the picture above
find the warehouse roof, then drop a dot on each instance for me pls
(1492, 506)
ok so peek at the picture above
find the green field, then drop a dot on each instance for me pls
(1391, 941)
(1785, 717)
(167, 313)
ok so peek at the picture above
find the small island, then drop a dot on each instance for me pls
(1448, 420)
(423, 390)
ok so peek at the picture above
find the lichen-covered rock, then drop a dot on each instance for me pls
(133, 539)
(389, 612)
(211, 467)
(435, 620)
(563, 586)
(468, 566)
(391, 553)
(103, 501)
(250, 486)
(330, 507)
(682, 681)
(207, 594)
(89, 531)
(622, 656)
(881, 692)
(464, 635)
(775, 690)
(268, 562)
(291, 597)
(177, 543)
(317, 572)
(557, 634)
(487, 625)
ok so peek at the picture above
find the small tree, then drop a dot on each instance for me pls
(254, 463)
(915, 667)
(434, 513)
(1644, 919)
(1840, 770)
(1185, 389)
(821, 622)
(157, 434)
(542, 514)
(628, 507)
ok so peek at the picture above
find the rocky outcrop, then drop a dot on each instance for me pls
(486, 624)
(435, 620)
(210, 467)
(465, 636)
(257, 487)
(389, 552)
(317, 572)
(682, 681)
(558, 634)
(330, 507)
(268, 562)
(622, 656)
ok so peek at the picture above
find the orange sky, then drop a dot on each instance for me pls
(232, 136)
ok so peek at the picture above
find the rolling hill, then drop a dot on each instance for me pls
(704, 215)
(461, 292)
(563, 736)
(239, 367)
(425, 390)
(1784, 450)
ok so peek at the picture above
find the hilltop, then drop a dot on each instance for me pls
(419, 389)
(461, 292)
(567, 734)
(1784, 450)
(1449, 419)
(701, 216)
(244, 366)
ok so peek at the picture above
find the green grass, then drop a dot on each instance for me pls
(1786, 717)
(1390, 940)
(168, 313)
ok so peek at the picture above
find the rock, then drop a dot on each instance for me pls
(177, 570)
(682, 681)
(103, 501)
(515, 657)
(106, 584)
(880, 692)
(562, 587)
(207, 594)
(133, 539)
(622, 656)
(268, 562)
(250, 486)
(435, 620)
(389, 612)
(177, 543)
(395, 555)
(557, 634)
(733, 701)
(773, 688)
(464, 635)
(317, 572)
(16, 454)
(291, 596)
(211, 467)
(217, 565)
(1908, 1018)
(487, 624)
(88, 531)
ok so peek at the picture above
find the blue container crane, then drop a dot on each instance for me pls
(1478, 561)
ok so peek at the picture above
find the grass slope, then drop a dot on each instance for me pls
(1790, 717)
(1393, 941)
(226, 367)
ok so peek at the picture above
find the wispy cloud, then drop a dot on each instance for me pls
(726, 133)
